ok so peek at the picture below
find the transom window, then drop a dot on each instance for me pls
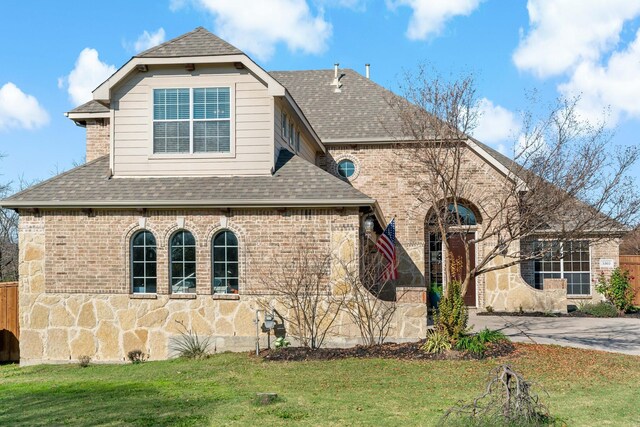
(346, 168)
(564, 260)
(182, 265)
(225, 263)
(143, 262)
(192, 120)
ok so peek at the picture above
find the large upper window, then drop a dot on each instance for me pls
(192, 120)
(182, 262)
(143, 262)
(225, 263)
(564, 260)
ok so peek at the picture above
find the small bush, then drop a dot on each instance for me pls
(281, 342)
(137, 356)
(189, 345)
(617, 289)
(489, 335)
(452, 315)
(84, 361)
(437, 342)
(601, 309)
(471, 343)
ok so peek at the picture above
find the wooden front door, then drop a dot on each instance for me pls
(456, 246)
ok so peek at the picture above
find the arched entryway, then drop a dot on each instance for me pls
(464, 220)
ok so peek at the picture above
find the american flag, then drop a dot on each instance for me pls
(386, 245)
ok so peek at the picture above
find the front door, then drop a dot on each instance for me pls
(456, 246)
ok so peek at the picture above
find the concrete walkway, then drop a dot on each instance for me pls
(618, 335)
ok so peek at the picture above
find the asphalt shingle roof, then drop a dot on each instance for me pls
(198, 42)
(360, 110)
(91, 107)
(295, 182)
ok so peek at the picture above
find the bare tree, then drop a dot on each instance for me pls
(631, 243)
(565, 179)
(371, 303)
(8, 239)
(300, 286)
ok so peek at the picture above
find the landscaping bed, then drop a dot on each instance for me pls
(577, 313)
(399, 351)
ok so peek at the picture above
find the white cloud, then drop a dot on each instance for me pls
(257, 26)
(148, 40)
(87, 74)
(496, 124)
(19, 110)
(429, 16)
(613, 85)
(566, 32)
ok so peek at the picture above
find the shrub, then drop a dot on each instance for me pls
(508, 400)
(617, 289)
(601, 309)
(452, 315)
(84, 361)
(437, 342)
(471, 343)
(489, 335)
(189, 345)
(281, 342)
(477, 343)
(137, 356)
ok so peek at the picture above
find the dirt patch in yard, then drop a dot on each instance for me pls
(404, 351)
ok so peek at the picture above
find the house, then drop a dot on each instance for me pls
(201, 168)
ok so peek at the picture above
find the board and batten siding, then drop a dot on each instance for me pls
(251, 122)
(307, 150)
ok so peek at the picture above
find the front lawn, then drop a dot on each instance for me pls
(585, 388)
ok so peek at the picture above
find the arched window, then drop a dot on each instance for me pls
(143, 262)
(225, 263)
(465, 215)
(182, 265)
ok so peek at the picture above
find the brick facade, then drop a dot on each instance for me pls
(98, 144)
(75, 296)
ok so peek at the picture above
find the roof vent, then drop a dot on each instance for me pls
(366, 69)
(336, 78)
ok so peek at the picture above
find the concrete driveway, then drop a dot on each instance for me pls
(619, 335)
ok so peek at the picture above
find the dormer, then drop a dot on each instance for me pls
(193, 106)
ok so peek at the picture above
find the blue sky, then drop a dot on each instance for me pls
(53, 54)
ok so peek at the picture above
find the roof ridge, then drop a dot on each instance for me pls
(60, 175)
(175, 39)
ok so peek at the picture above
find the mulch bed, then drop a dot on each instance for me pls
(404, 351)
(633, 315)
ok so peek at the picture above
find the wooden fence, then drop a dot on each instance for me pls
(632, 263)
(9, 327)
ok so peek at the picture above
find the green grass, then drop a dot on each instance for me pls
(585, 388)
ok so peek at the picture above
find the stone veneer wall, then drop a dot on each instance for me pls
(74, 280)
(380, 175)
(98, 143)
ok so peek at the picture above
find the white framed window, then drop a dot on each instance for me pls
(291, 133)
(224, 260)
(192, 120)
(569, 260)
(285, 126)
(298, 141)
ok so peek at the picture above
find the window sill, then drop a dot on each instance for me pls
(233, 297)
(143, 296)
(169, 156)
(579, 296)
(183, 296)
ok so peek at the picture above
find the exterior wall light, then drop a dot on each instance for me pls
(368, 225)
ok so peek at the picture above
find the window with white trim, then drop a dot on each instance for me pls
(291, 133)
(563, 260)
(196, 120)
(285, 126)
(298, 142)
